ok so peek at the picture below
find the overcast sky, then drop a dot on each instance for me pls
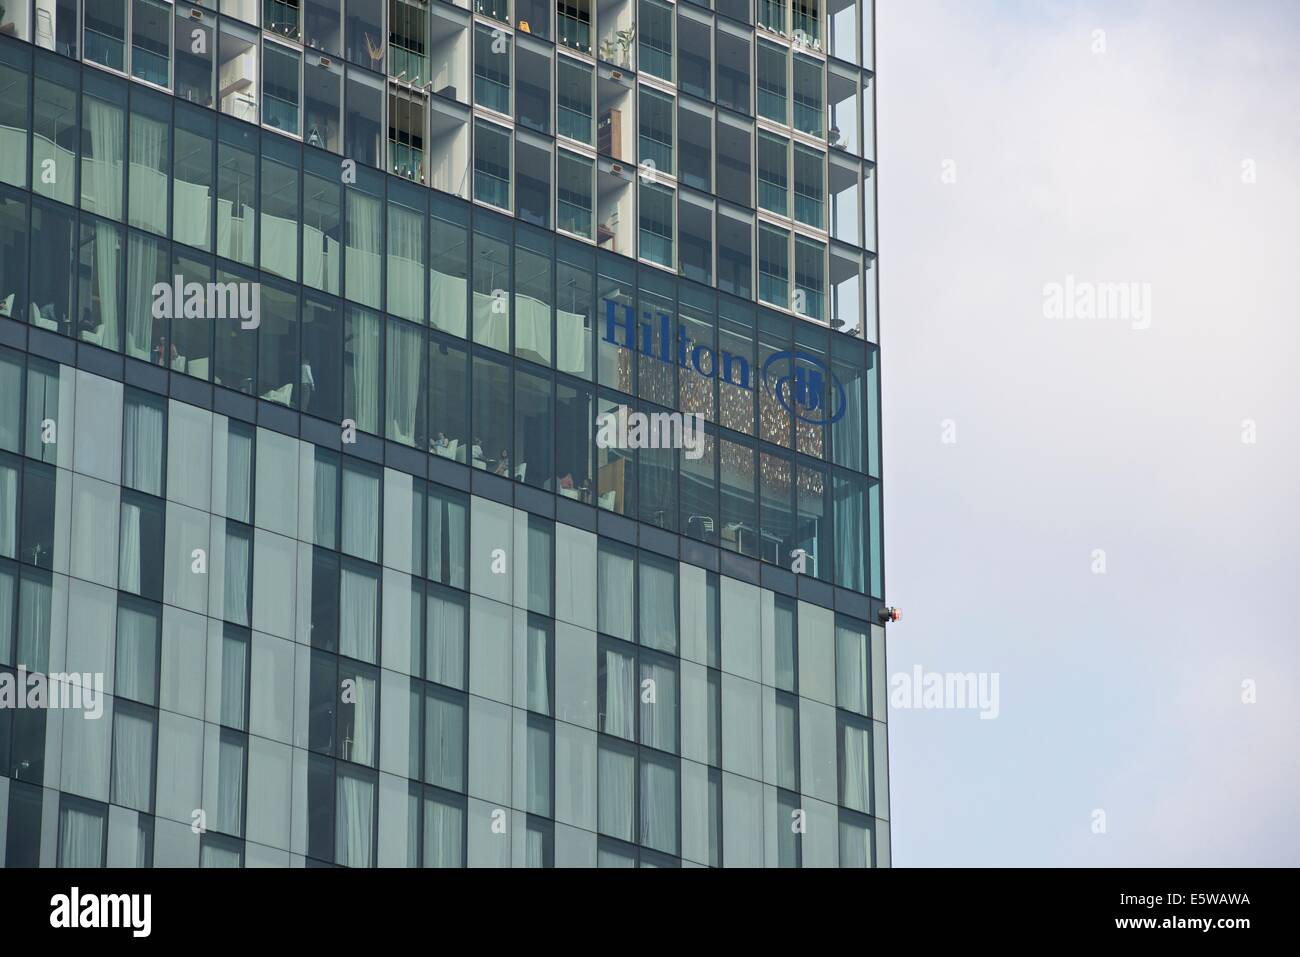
(1123, 691)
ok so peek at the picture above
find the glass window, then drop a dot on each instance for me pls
(99, 283)
(323, 103)
(810, 286)
(696, 232)
(140, 536)
(363, 32)
(13, 258)
(446, 638)
(616, 790)
(321, 380)
(855, 762)
(408, 29)
(133, 756)
(734, 162)
(739, 531)
(789, 839)
(281, 88)
(449, 400)
(449, 268)
(852, 667)
(850, 520)
(616, 683)
(407, 214)
(573, 24)
(322, 224)
(490, 407)
(773, 173)
(533, 184)
(322, 25)
(237, 71)
(448, 536)
(15, 66)
(151, 36)
(279, 370)
(492, 166)
(53, 237)
(193, 178)
(695, 39)
(492, 68)
(533, 86)
(655, 122)
(732, 69)
(358, 708)
(195, 48)
(233, 693)
(541, 761)
(143, 439)
(364, 265)
(776, 481)
(55, 132)
(362, 347)
(773, 265)
(534, 427)
(105, 33)
(149, 150)
(657, 691)
(657, 208)
(354, 835)
(236, 192)
(56, 26)
(575, 194)
(364, 126)
(406, 387)
(809, 186)
(659, 802)
(139, 628)
(445, 731)
(615, 590)
(787, 741)
(83, 828)
(103, 133)
(655, 36)
(280, 210)
(574, 96)
(772, 82)
(809, 100)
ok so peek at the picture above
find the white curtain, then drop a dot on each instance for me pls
(132, 760)
(539, 771)
(447, 302)
(193, 213)
(361, 746)
(148, 200)
(239, 476)
(405, 355)
(616, 593)
(616, 776)
(533, 327)
(457, 516)
(857, 761)
(358, 609)
(143, 259)
(405, 264)
(320, 259)
(365, 240)
(658, 607)
(620, 695)
(445, 658)
(11, 384)
(535, 848)
(850, 535)
(239, 560)
(363, 344)
(443, 830)
(230, 787)
(847, 432)
(34, 624)
(136, 652)
(214, 856)
(361, 514)
(129, 555)
(8, 511)
(658, 806)
(279, 245)
(353, 815)
(8, 602)
(855, 845)
(539, 690)
(81, 839)
(659, 720)
(852, 670)
(325, 491)
(234, 668)
(108, 261)
(106, 124)
(444, 735)
(143, 448)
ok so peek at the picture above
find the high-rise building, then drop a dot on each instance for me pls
(312, 313)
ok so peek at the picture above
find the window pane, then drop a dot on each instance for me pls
(151, 36)
(659, 795)
(444, 741)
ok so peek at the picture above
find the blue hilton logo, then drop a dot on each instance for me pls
(796, 378)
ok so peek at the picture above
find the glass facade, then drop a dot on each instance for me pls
(363, 585)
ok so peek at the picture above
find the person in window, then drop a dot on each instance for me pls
(503, 464)
(308, 383)
(440, 443)
(477, 449)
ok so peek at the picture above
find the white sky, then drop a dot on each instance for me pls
(1121, 691)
